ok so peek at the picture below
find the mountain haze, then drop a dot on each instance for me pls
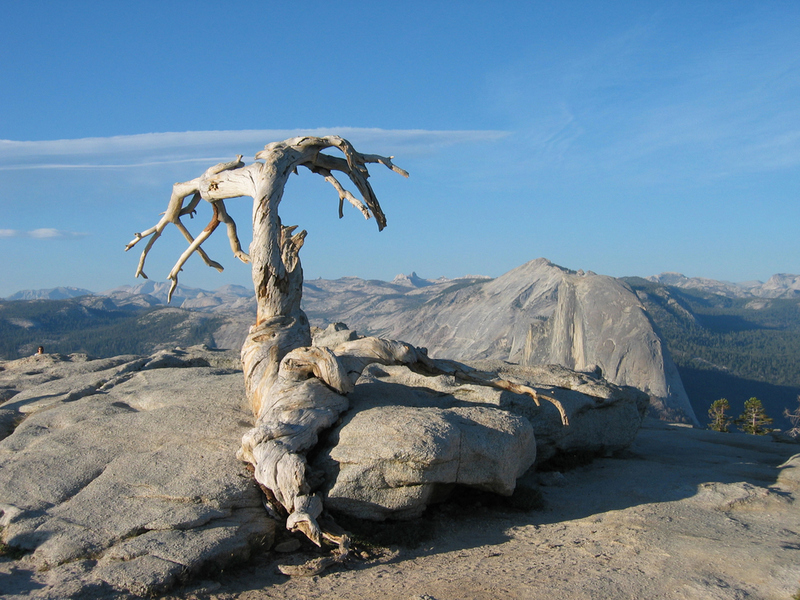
(59, 293)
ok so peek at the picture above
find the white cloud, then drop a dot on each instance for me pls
(44, 233)
(150, 149)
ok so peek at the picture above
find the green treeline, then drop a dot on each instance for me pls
(733, 348)
(753, 420)
(67, 326)
(751, 339)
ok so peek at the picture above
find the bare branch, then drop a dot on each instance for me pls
(384, 160)
(344, 194)
(195, 245)
(175, 210)
(290, 245)
(220, 167)
(150, 242)
(353, 165)
(190, 208)
(206, 259)
(233, 237)
(359, 177)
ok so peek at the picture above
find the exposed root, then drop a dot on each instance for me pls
(318, 566)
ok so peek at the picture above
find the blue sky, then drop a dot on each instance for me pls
(623, 138)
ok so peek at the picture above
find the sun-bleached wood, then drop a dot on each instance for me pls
(296, 391)
(283, 375)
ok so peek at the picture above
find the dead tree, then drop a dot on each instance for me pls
(295, 390)
(290, 409)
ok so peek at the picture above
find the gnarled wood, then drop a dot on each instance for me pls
(296, 391)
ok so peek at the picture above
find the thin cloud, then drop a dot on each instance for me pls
(151, 149)
(44, 233)
(56, 166)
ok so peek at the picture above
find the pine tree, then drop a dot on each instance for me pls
(719, 420)
(754, 418)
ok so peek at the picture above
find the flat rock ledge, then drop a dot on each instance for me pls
(118, 476)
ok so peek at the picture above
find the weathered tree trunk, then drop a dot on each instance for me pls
(290, 407)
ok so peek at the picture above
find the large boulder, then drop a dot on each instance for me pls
(408, 439)
(604, 418)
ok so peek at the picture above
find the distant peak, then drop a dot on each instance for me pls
(58, 293)
(540, 265)
(668, 278)
(412, 280)
(538, 262)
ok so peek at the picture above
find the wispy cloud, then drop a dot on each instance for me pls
(643, 104)
(44, 233)
(151, 149)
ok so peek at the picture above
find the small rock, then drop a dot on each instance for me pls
(551, 479)
(290, 545)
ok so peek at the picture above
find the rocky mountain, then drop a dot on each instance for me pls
(726, 341)
(59, 293)
(228, 296)
(538, 313)
(414, 280)
(781, 285)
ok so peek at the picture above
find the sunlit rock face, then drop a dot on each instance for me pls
(540, 313)
(120, 473)
(598, 322)
(408, 439)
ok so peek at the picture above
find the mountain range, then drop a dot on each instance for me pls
(780, 285)
(685, 341)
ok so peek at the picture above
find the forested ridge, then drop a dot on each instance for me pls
(728, 347)
(68, 326)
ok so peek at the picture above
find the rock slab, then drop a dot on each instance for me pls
(123, 471)
(118, 476)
